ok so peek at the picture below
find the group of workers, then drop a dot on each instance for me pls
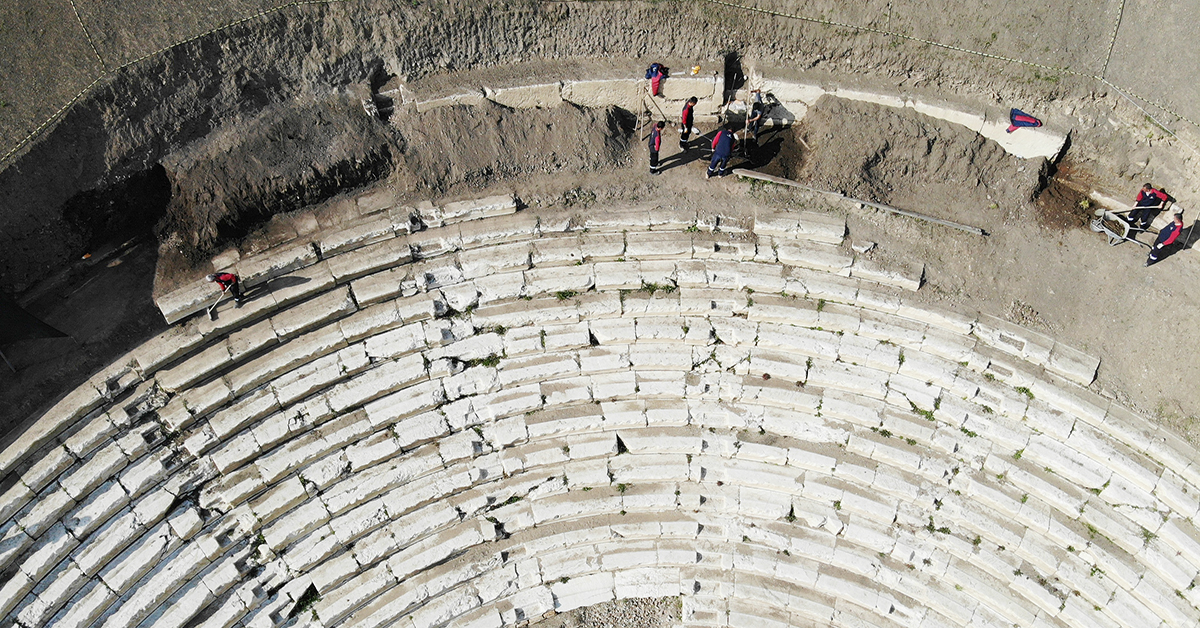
(1148, 203)
(723, 143)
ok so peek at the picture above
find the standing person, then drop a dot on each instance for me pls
(228, 281)
(687, 120)
(1149, 201)
(755, 120)
(723, 145)
(655, 145)
(1166, 238)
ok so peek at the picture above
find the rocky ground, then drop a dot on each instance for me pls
(638, 612)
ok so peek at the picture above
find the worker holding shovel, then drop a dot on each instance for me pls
(228, 282)
(1149, 201)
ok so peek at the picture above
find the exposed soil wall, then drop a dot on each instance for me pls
(285, 158)
(142, 114)
(902, 158)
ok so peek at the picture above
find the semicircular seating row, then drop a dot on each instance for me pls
(597, 408)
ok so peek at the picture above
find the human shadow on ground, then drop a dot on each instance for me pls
(750, 154)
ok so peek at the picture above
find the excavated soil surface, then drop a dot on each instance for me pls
(902, 158)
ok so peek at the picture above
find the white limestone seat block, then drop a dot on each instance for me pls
(908, 276)
(526, 96)
(600, 93)
(102, 464)
(803, 225)
(658, 245)
(358, 235)
(275, 262)
(1013, 339)
(585, 590)
(315, 313)
(475, 209)
(1072, 364)
(196, 368)
(847, 377)
(562, 280)
(370, 258)
(377, 382)
(520, 226)
(635, 468)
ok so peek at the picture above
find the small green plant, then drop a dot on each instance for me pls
(563, 295)
(1025, 391)
(820, 304)
(911, 441)
(1024, 498)
(621, 488)
(928, 414)
(837, 504)
(976, 541)
(1148, 536)
(1018, 453)
(968, 432)
(564, 579)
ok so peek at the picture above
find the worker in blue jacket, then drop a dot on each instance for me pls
(723, 145)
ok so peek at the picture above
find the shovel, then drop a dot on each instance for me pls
(212, 315)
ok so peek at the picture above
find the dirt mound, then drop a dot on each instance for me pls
(476, 145)
(908, 160)
(285, 158)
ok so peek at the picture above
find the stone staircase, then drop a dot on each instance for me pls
(471, 415)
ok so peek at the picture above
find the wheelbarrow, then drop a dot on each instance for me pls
(1114, 226)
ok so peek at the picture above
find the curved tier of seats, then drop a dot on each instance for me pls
(496, 414)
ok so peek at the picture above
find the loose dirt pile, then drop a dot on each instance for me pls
(474, 145)
(285, 158)
(908, 160)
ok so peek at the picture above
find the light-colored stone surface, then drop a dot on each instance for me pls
(527, 96)
(628, 443)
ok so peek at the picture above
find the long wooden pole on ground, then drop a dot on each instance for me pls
(750, 174)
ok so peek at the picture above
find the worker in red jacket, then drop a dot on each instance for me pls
(687, 120)
(1149, 201)
(228, 281)
(1166, 238)
(656, 145)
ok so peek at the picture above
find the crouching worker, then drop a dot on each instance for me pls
(1166, 238)
(228, 281)
(1149, 201)
(723, 145)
